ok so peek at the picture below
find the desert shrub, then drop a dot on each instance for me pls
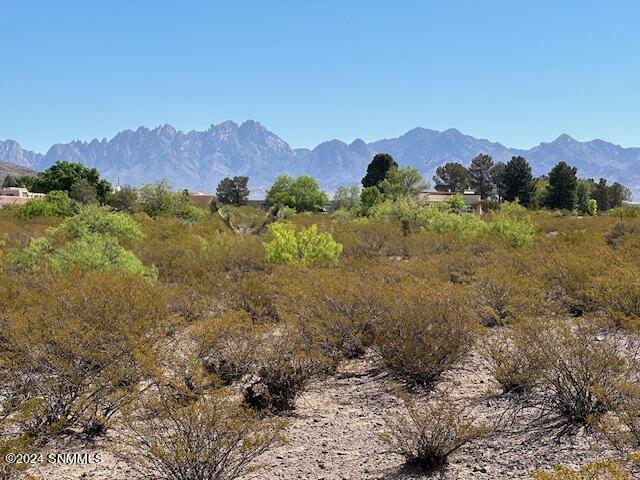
(506, 293)
(245, 220)
(509, 223)
(510, 362)
(426, 330)
(569, 275)
(369, 237)
(427, 435)
(97, 220)
(54, 204)
(125, 200)
(602, 470)
(189, 213)
(201, 255)
(226, 345)
(12, 442)
(87, 241)
(158, 199)
(211, 438)
(253, 293)
(580, 368)
(619, 231)
(339, 315)
(617, 292)
(306, 246)
(17, 232)
(72, 346)
(283, 364)
(625, 212)
(513, 223)
(621, 429)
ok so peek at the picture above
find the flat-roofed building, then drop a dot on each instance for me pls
(472, 200)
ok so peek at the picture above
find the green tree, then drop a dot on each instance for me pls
(159, 199)
(601, 194)
(617, 194)
(84, 192)
(480, 178)
(563, 183)
(540, 194)
(370, 197)
(403, 182)
(125, 200)
(498, 179)
(451, 177)
(63, 175)
(592, 207)
(377, 170)
(347, 198)
(583, 194)
(233, 191)
(25, 181)
(518, 181)
(9, 181)
(302, 194)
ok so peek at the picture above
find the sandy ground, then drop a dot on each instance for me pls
(333, 434)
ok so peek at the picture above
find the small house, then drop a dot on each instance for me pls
(472, 200)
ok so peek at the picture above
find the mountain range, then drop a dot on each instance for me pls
(198, 160)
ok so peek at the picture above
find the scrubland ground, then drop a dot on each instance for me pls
(426, 347)
(334, 434)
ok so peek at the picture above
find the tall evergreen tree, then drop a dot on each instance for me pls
(562, 187)
(233, 191)
(601, 195)
(480, 175)
(518, 181)
(497, 177)
(377, 170)
(451, 177)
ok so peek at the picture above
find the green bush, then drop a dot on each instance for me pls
(511, 222)
(87, 241)
(625, 212)
(54, 204)
(306, 246)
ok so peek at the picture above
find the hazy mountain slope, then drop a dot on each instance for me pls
(198, 160)
(12, 169)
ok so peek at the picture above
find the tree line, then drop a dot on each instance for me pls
(559, 189)
(495, 182)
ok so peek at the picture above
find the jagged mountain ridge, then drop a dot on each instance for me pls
(198, 160)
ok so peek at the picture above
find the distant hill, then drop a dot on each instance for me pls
(198, 160)
(14, 170)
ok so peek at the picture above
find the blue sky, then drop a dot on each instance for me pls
(518, 72)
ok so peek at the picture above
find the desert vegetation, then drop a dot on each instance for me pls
(187, 336)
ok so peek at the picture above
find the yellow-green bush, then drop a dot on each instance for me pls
(306, 246)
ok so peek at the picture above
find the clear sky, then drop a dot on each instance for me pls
(514, 71)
